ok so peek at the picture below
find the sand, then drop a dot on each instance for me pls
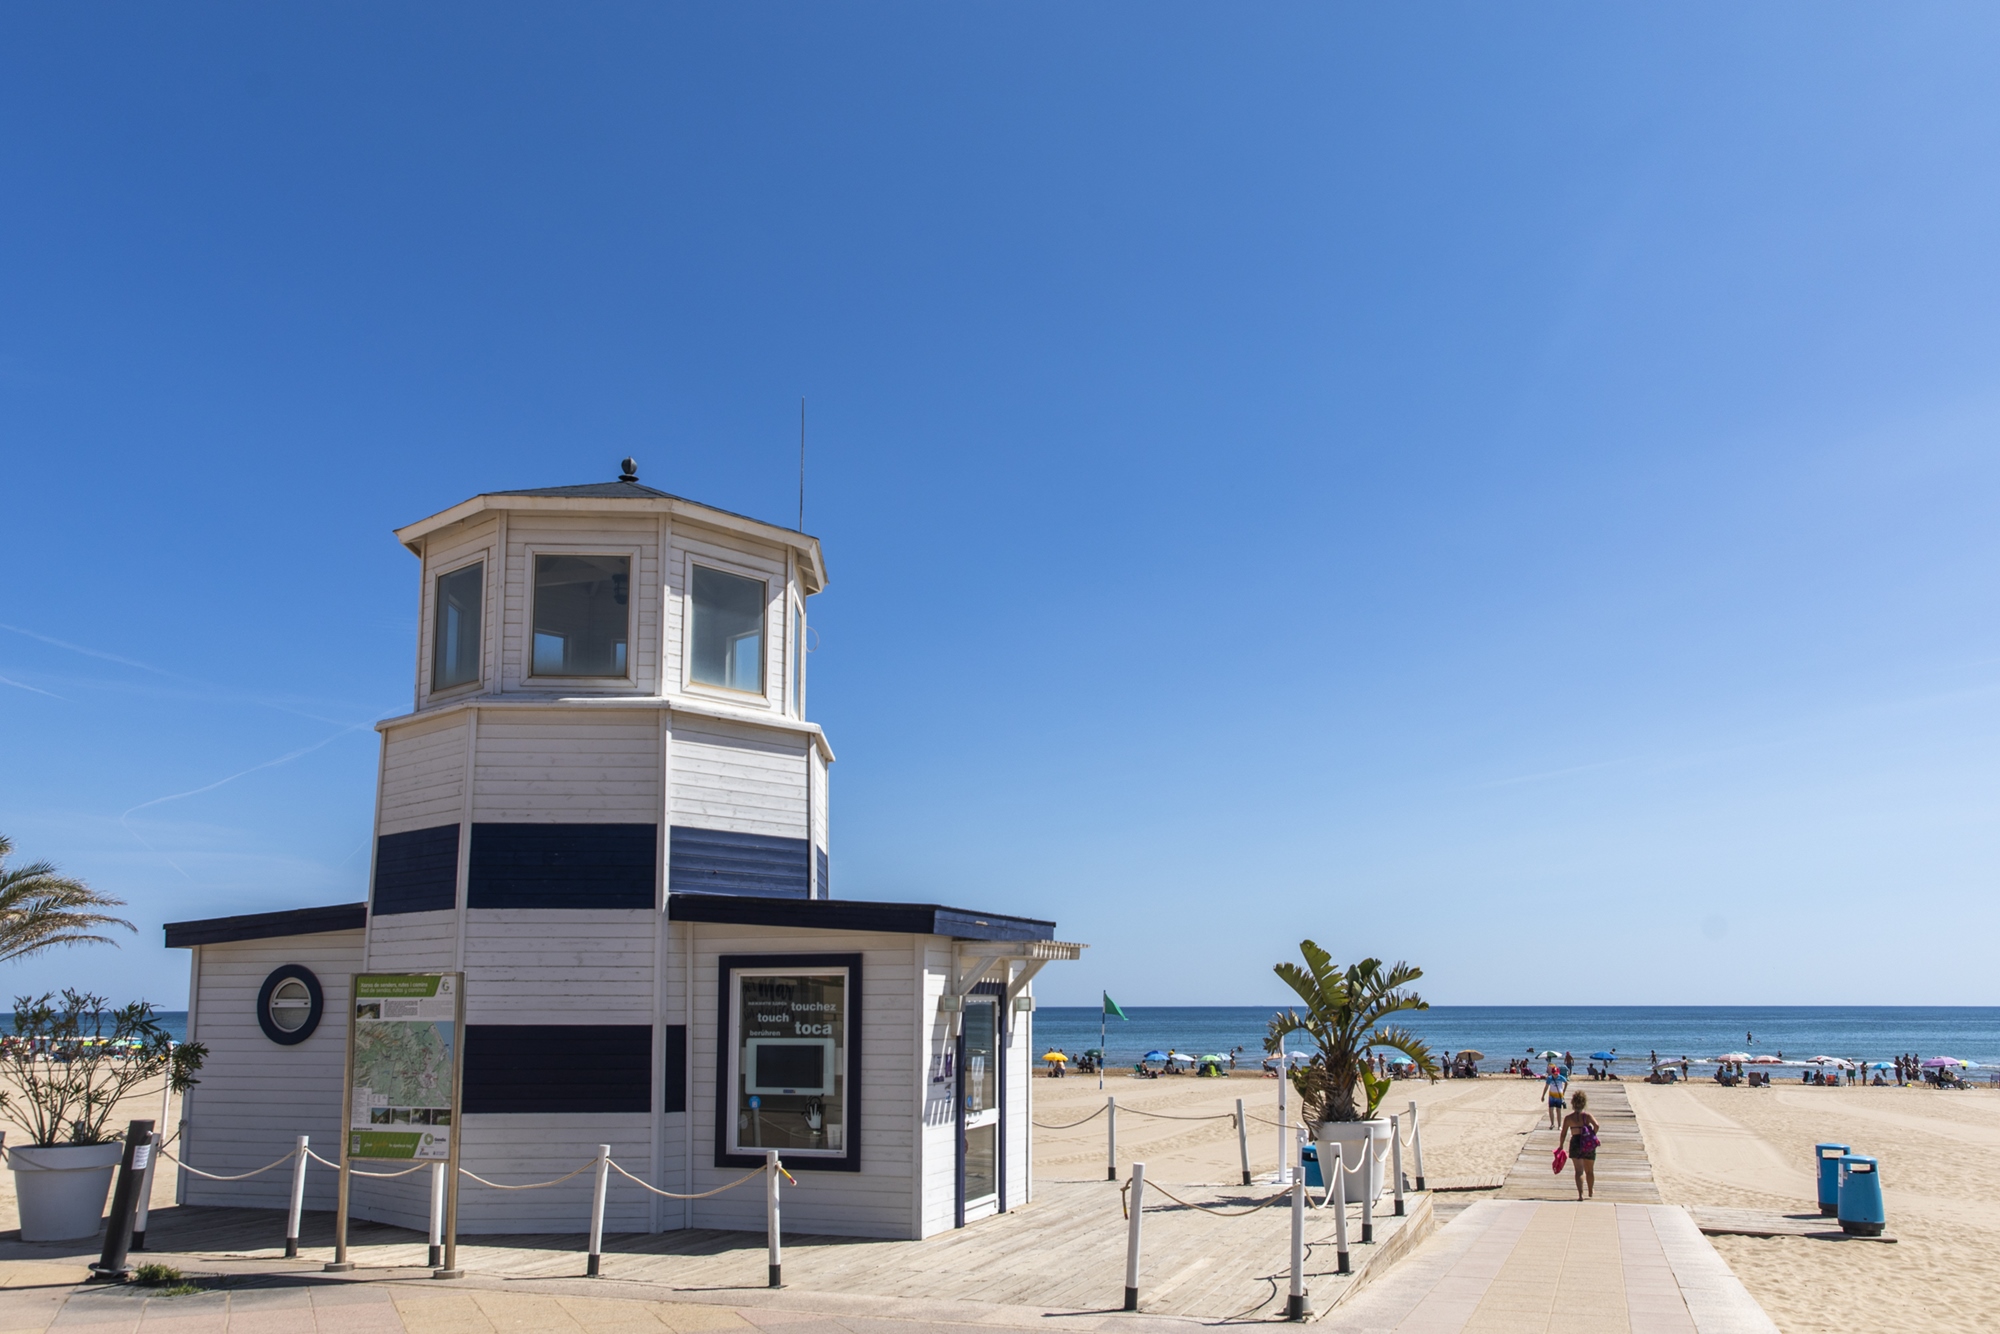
(1752, 1148)
(1472, 1128)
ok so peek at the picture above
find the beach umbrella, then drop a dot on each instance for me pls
(1765, 1060)
(1181, 1058)
(1473, 1054)
(1603, 1056)
(1830, 1060)
(1056, 1056)
(1154, 1056)
(1734, 1056)
(1940, 1062)
(1094, 1051)
(1213, 1057)
(1550, 1056)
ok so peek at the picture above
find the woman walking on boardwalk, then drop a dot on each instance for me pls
(1580, 1127)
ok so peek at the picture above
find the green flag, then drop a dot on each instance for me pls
(1111, 1008)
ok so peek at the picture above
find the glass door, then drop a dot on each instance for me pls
(979, 1106)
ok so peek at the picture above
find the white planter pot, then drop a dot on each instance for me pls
(1363, 1146)
(62, 1190)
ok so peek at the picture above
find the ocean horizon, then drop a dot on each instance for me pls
(1501, 1032)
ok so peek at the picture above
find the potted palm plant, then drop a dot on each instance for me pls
(1339, 1090)
(67, 1064)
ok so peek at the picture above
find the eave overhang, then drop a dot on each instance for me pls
(812, 565)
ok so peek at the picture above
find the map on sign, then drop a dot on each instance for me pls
(405, 1029)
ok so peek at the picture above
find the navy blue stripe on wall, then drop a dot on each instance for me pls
(825, 889)
(716, 861)
(674, 1077)
(514, 1068)
(562, 866)
(416, 871)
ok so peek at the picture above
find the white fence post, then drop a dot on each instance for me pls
(1285, 1158)
(1138, 1202)
(1243, 1140)
(1396, 1158)
(438, 1172)
(1417, 1143)
(1339, 1189)
(1111, 1139)
(1295, 1302)
(597, 1211)
(771, 1170)
(298, 1199)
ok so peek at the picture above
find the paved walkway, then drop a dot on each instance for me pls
(1624, 1173)
(1525, 1267)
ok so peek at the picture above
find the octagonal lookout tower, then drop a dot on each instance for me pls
(608, 809)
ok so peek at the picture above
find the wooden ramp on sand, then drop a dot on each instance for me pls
(1624, 1172)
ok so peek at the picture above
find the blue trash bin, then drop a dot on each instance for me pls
(1861, 1211)
(1829, 1156)
(1309, 1155)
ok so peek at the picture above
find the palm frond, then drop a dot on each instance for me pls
(40, 908)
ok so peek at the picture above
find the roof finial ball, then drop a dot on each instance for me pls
(631, 470)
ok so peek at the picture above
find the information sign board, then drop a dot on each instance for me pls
(403, 1065)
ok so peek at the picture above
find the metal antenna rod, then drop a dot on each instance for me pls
(802, 464)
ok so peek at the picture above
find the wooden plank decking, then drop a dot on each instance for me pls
(1624, 1172)
(1063, 1252)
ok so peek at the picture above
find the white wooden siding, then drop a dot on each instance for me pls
(739, 777)
(413, 942)
(567, 765)
(423, 774)
(513, 1149)
(559, 965)
(939, 1150)
(1019, 1036)
(256, 1097)
(819, 778)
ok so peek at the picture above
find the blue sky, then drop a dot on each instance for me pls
(1510, 489)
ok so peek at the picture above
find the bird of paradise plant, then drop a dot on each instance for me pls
(1343, 1014)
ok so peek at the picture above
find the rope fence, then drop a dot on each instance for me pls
(773, 1170)
(1372, 1153)
(241, 1176)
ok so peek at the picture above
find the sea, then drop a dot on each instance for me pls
(1501, 1032)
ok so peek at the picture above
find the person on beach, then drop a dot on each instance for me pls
(1555, 1083)
(1580, 1128)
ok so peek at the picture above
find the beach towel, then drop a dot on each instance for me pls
(1562, 1158)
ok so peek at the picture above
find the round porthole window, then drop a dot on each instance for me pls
(289, 1004)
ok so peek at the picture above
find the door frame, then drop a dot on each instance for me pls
(997, 992)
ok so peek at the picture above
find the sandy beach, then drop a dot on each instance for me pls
(1742, 1148)
(1472, 1128)
(1752, 1148)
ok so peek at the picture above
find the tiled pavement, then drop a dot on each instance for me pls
(265, 1297)
(1525, 1267)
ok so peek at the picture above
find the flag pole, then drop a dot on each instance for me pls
(1100, 1046)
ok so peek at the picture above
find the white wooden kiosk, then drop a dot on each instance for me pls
(608, 809)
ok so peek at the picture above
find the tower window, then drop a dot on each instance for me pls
(582, 615)
(455, 639)
(728, 630)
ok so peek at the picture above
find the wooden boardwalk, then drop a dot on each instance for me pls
(1624, 1172)
(1064, 1252)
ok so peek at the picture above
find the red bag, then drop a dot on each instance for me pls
(1561, 1159)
